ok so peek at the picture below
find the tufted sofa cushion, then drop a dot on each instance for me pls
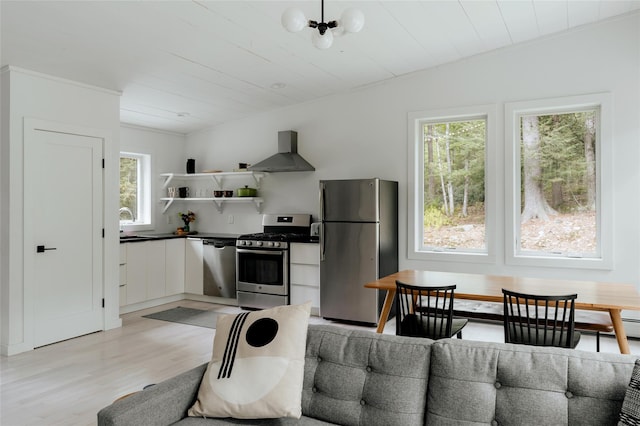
(488, 383)
(354, 377)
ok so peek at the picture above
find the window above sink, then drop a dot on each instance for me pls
(135, 190)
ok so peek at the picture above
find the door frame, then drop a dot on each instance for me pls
(30, 126)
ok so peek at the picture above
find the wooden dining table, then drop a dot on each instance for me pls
(592, 295)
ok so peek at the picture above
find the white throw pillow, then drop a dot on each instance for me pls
(257, 366)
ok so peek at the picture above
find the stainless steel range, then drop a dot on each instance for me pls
(262, 260)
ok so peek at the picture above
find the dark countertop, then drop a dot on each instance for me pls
(312, 240)
(141, 236)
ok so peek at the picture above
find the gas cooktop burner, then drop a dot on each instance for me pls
(276, 236)
(278, 231)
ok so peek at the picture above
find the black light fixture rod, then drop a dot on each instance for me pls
(322, 26)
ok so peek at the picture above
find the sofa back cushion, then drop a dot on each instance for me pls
(355, 377)
(493, 383)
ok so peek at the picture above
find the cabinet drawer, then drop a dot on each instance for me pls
(123, 254)
(308, 275)
(123, 274)
(301, 294)
(305, 253)
(123, 295)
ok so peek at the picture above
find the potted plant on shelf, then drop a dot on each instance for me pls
(187, 218)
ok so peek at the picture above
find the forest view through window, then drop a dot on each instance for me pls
(454, 185)
(129, 171)
(558, 184)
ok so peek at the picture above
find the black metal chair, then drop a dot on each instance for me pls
(540, 320)
(426, 312)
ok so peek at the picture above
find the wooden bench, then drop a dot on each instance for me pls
(591, 321)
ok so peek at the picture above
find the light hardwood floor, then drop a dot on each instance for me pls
(68, 382)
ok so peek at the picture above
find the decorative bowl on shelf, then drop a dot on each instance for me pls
(228, 193)
(218, 194)
(247, 192)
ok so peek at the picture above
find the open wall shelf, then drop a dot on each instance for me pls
(219, 202)
(218, 180)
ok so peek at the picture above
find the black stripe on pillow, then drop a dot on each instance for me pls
(232, 346)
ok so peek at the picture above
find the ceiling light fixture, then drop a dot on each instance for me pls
(351, 21)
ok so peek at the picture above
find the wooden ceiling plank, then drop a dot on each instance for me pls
(487, 20)
(520, 19)
(551, 16)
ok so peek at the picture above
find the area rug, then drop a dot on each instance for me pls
(189, 316)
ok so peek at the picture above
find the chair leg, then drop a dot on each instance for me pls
(459, 334)
(597, 341)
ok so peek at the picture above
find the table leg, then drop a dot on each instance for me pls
(618, 328)
(386, 308)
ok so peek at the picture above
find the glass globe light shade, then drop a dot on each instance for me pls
(293, 20)
(352, 20)
(323, 41)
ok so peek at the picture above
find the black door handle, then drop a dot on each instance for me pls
(41, 249)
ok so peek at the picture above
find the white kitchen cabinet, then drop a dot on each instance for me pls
(136, 272)
(305, 274)
(217, 181)
(146, 276)
(193, 274)
(123, 274)
(174, 266)
(156, 273)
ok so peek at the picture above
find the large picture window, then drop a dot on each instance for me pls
(449, 181)
(453, 184)
(559, 183)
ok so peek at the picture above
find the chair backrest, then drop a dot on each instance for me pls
(539, 320)
(424, 311)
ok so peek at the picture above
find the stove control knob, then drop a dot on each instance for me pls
(276, 244)
(248, 243)
(259, 243)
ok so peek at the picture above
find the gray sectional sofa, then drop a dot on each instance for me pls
(355, 377)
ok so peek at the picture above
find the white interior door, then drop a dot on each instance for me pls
(63, 215)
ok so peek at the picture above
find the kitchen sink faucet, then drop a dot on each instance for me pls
(127, 210)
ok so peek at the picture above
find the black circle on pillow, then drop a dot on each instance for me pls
(262, 332)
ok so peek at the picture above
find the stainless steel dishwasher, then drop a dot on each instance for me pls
(219, 261)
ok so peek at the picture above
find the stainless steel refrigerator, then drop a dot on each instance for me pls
(358, 244)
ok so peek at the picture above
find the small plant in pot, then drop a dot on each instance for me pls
(187, 218)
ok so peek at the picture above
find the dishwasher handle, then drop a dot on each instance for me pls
(219, 243)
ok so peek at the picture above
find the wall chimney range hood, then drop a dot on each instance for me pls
(287, 159)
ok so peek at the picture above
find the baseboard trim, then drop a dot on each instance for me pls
(150, 303)
(8, 350)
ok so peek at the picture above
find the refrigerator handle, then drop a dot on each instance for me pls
(322, 201)
(322, 247)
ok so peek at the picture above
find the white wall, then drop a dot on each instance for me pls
(167, 155)
(364, 133)
(34, 95)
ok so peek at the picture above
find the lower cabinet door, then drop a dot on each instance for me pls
(193, 272)
(174, 266)
(136, 272)
(156, 274)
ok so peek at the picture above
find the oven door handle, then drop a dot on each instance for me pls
(251, 251)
